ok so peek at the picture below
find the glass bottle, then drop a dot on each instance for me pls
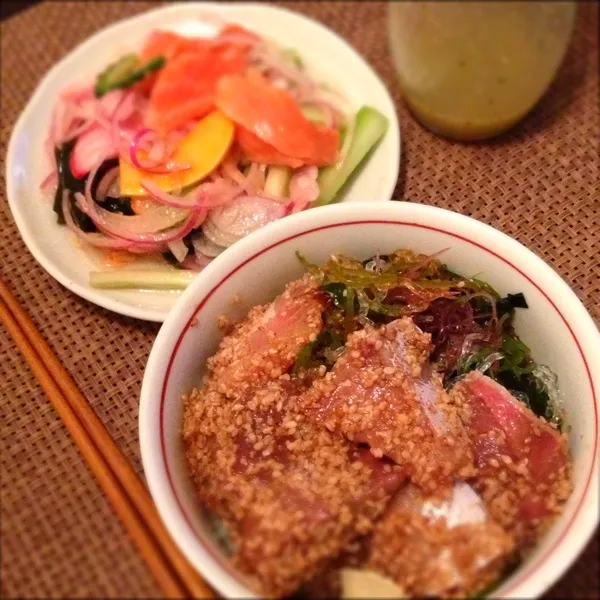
(471, 70)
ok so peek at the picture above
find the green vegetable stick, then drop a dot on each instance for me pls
(125, 72)
(277, 181)
(142, 279)
(314, 114)
(370, 126)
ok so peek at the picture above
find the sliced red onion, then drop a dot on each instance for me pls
(195, 263)
(205, 196)
(107, 184)
(304, 188)
(109, 103)
(151, 227)
(150, 137)
(179, 250)
(99, 239)
(92, 148)
(158, 152)
(76, 94)
(78, 130)
(320, 95)
(218, 237)
(269, 58)
(153, 220)
(154, 191)
(230, 170)
(50, 181)
(227, 224)
(249, 184)
(215, 193)
(202, 245)
(122, 112)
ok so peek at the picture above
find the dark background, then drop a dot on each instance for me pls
(11, 7)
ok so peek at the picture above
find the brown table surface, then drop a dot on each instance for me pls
(539, 184)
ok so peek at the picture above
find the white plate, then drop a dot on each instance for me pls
(335, 61)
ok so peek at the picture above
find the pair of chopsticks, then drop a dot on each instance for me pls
(127, 494)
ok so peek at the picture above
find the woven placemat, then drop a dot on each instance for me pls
(539, 184)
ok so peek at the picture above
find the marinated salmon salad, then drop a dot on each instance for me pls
(378, 430)
(179, 150)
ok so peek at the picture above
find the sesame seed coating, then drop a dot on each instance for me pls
(430, 552)
(382, 392)
(292, 494)
(523, 464)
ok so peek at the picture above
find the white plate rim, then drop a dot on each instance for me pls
(98, 296)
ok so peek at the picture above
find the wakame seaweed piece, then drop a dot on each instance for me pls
(517, 356)
(81, 219)
(69, 181)
(318, 352)
(510, 302)
(336, 292)
(537, 399)
(66, 179)
(119, 205)
(125, 72)
(103, 169)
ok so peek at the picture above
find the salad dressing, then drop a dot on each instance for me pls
(471, 70)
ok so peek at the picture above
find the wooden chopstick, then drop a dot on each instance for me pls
(115, 474)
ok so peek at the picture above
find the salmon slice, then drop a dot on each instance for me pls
(185, 86)
(522, 461)
(272, 115)
(382, 393)
(265, 344)
(234, 33)
(445, 546)
(170, 44)
(255, 150)
(291, 494)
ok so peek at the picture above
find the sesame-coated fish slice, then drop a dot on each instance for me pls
(522, 461)
(447, 547)
(265, 344)
(381, 392)
(292, 494)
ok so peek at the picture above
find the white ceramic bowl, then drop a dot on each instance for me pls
(331, 58)
(556, 327)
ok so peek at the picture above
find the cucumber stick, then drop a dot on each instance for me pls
(277, 181)
(314, 114)
(125, 72)
(369, 127)
(142, 279)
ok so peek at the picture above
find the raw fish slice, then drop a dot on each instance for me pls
(522, 461)
(439, 546)
(265, 344)
(291, 494)
(382, 393)
(272, 115)
(255, 150)
(171, 45)
(185, 86)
